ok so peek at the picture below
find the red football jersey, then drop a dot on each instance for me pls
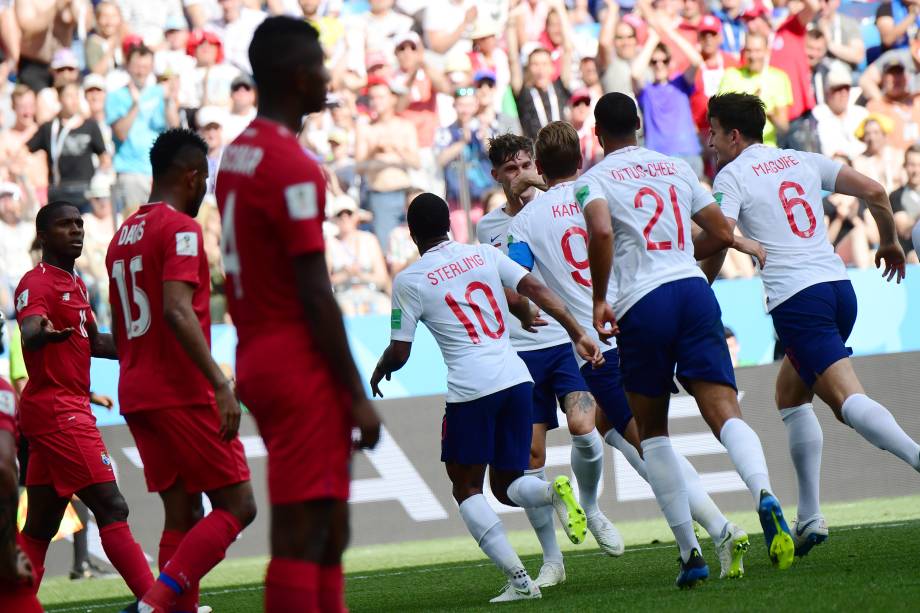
(272, 198)
(7, 407)
(57, 394)
(156, 244)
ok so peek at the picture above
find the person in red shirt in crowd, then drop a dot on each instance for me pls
(272, 200)
(16, 575)
(180, 407)
(708, 78)
(787, 49)
(581, 111)
(67, 454)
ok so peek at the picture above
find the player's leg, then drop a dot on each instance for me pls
(111, 511)
(300, 534)
(541, 518)
(806, 442)
(331, 578)
(181, 511)
(43, 518)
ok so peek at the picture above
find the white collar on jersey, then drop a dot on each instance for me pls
(625, 149)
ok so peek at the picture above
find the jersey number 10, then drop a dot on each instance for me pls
(467, 324)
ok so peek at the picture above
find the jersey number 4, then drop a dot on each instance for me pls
(133, 327)
(467, 324)
(651, 245)
(789, 205)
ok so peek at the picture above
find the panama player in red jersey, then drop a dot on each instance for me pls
(181, 408)
(67, 454)
(16, 576)
(294, 368)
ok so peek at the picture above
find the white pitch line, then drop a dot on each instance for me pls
(442, 568)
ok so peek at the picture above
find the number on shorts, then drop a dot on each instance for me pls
(578, 265)
(659, 209)
(467, 324)
(790, 203)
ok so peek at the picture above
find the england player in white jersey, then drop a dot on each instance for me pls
(549, 236)
(551, 362)
(775, 197)
(457, 291)
(642, 202)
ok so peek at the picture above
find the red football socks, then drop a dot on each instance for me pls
(126, 556)
(292, 585)
(36, 550)
(332, 590)
(169, 543)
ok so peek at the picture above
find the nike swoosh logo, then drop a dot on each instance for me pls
(492, 240)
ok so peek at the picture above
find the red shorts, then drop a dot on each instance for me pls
(305, 423)
(184, 443)
(70, 459)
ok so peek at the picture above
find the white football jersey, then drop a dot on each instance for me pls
(457, 291)
(492, 229)
(549, 236)
(775, 196)
(651, 198)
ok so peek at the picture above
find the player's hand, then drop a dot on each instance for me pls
(228, 407)
(377, 376)
(102, 400)
(752, 248)
(894, 261)
(532, 320)
(589, 351)
(525, 181)
(605, 322)
(16, 569)
(53, 335)
(365, 418)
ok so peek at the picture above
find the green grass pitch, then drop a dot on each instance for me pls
(869, 564)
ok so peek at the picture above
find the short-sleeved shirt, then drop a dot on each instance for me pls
(772, 85)
(788, 54)
(272, 204)
(457, 291)
(550, 237)
(73, 150)
(669, 126)
(154, 245)
(906, 59)
(898, 10)
(132, 155)
(651, 198)
(57, 394)
(906, 199)
(775, 196)
(492, 229)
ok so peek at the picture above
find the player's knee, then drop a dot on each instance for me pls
(462, 491)
(245, 509)
(501, 494)
(537, 458)
(115, 509)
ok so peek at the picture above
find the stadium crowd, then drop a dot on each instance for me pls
(418, 88)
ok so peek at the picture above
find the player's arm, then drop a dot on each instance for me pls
(712, 265)
(600, 260)
(716, 232)
(854, 183)
(37, 331)
(102, 344)
(394, 357)
(519, 251)
(325, 319)
(182, 320)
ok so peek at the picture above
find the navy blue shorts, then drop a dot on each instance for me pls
(813, 326)
(606, 386)
(675, 328)
(495, 429)
(555, 375)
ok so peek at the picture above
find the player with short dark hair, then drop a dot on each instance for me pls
(180, 407)
(272, 200)
(66, 453)
(775, 195)
(488, 418)
(668, 317)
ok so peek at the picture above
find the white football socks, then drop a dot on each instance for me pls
(878, 426)
(528, 491)
(806, 441)
(541, 518)
(744, 449)
(588, 466)
(489, 533)
(616, 440)
(702, 508)
(664, 475)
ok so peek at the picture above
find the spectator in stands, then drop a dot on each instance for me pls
(374, 31)
(210, 81)
(385, 150)
(357, 269)
(839, 116)
(65, 69)
(709, 75)
(103, 45)
(734, 29)
(842, 33)
(557, 38)
(94, 94)
(148, 19)
(898, 105)
(331, 29)
(590, 78)
(45, 25)
(583, 121)
(909, 57)
(850, 227)
(210, 120)
(242, 107)
(235, 28)
(16, 236)
(818, 62)
(879, 160)
(30, 170)
(98, 230)
(487, 90)
(529, 19)
(758, 78)
(71, 145)
(895, 20)
(446, 28)
(672, 18)
(617, 48)
(905, 201)
(487, 56)
(172, 58)
(138, 113)
(665, 101)
(401, 250)
(540, 99)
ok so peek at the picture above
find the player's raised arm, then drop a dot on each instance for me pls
(853, 183)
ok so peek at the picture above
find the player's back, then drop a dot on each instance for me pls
(776, 196)
(457, 291)
(271, 198)
(552, 231)
(651, 197)
(154, 245)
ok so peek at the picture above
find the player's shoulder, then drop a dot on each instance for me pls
(488, 222)
(35, 277)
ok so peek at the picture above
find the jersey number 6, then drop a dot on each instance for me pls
(470, 328)
(789, 205)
